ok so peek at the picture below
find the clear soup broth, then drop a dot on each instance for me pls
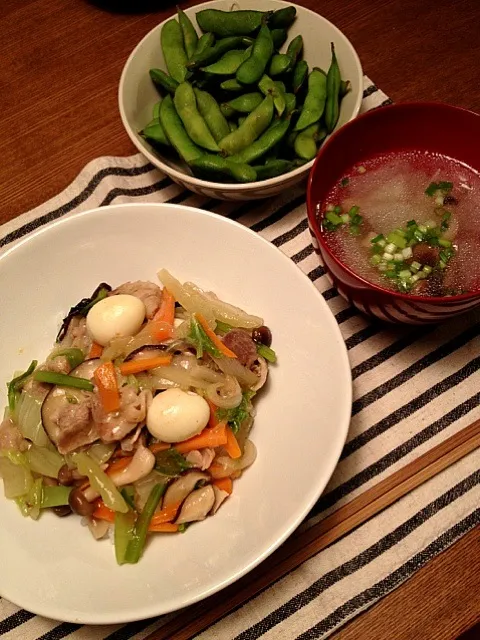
(409, 222)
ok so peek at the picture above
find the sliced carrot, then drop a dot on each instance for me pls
(210, 437)
(232, 447)
(106, 381)
(166, 311)
(167, 514)
(160, 330)
(214, 338)
(96, 350)
(168, 527)
(213, 421)
(119, 465)
(135, 366)
(225, 484)
(159, 446)
(102, 512)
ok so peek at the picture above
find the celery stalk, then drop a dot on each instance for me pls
(100, 482)
(139, 537)
(54, 497)
(124, 527)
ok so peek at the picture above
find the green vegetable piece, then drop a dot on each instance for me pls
(54, 497)
(156, 110)
(268, 86)
(254, 67)
(300, 74)
(46, 462)
(163, 81)
(241, 120)
(272, 136)
(227, 111)
(178, 137)
(196, 335)
(228, 63)
(52, 377)
(314, 104)
(154, 132)
(17, 479)
(222, 327)
(290, 103)
(171, 463)
(267, 353)
(332, 108)
(231, 84)
(190, 37)
(282, 18)
(215, 166)
(230, 23)
(139, 535)
(246, 103)
(100, 482)
(128, 494)
(284, 62)
(443, 186)
(186, 106)
(123, 534)
(215, 51)
(210, 111)
(233, 126)
(254, 125)
(280, 85)
(204, 42)
(237, 415)
(306, 141)
(279, 37)
(171, 39)
(15, 386)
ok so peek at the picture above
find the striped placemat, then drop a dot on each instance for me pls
(413, 387)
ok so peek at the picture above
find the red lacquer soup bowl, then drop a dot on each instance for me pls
(423, 127)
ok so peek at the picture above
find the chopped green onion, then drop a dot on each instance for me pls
(398, 257)
(338, 209)
(427, 269)
(332, 217)
(407, 253)
(266, 352)
(345, 218)
(75, 357)
(415, 266)
(377, 238)
(444, 243)
(376, 259)
(15, 386)
(139, 535)
(344, 182)
(223, 327)
(52, 377)
(405, 273)
(123, 534)
(387, 256)
(433, 187)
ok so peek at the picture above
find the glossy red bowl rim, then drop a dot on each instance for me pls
(312, 217)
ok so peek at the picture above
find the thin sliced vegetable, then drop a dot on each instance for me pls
(157, 447)
(15, 386)
(166, 311)
(267, 353)
(210, 437)
(96, 350)
(224, 484)
(214, 338)
(168, 527)
(118, 465)
(102, 512)
(28, 417)
(17, 479)
(231, 446)
(106, 381)
(54, 497)
(123, 535)
(135, 366)
(167, 514)
(100, 482)
(74, 356)
(44, 461)
(62, 379)
(137, 543)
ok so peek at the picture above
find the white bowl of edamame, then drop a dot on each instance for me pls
(235, 105)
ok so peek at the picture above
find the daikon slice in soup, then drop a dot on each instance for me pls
(408, 221)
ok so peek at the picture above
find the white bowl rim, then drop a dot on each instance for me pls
(343, 424)
(225, 186)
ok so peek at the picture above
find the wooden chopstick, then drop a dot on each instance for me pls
(305, 544)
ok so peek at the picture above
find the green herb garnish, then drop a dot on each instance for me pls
(443, 186)
(15, 386)
(237, 415)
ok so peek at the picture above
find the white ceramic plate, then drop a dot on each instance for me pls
(53, 567)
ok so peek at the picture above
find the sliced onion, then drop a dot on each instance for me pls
(232, 367)
(190, 301)
(224, 466)
(224, 311)
(227, 395)
(178, 375)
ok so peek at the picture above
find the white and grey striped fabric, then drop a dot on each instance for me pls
(413, 388)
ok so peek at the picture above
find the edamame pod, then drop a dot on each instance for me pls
(156, 110)
(246, 103)
(279, 37)
(290, 103)
(332, 108)
(228, 63)
(300, 74)
(284, 62)
(231, 84)
(233, 126)
(154, 132)
(190, 37)
(273, 168)
(282, 18)
(215, 165)
(204, 42)
(306, 141)
(263, 144)
(314, 104)
(230, 23)
(163, 81)
(345, 87)
(216, 51)
(196, 127)
(254, 125)
(268, 86)
(210, 112)
(171, 39)
(227, 111)
(176, 133)
(254, 67)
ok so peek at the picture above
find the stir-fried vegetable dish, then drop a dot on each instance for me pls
(139, 419)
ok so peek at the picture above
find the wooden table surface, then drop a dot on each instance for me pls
(61, 62)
